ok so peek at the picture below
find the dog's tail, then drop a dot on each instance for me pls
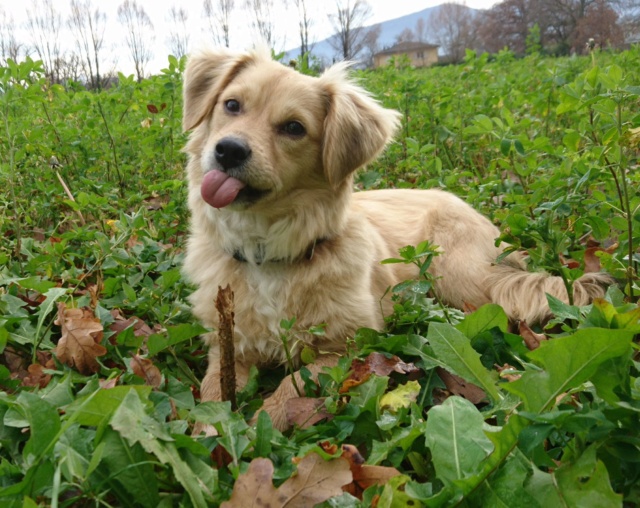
(522, 294)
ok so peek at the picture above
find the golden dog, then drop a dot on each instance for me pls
(271, 160)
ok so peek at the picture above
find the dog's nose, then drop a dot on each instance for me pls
(232, 152)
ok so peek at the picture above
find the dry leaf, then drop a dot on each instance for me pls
(378, 364)
(592, 261)
(531, 339)
(458, 386)
(305, 411)
(315, 481)
(144, 368)
(364, 476)
(79, 345)
(36, 375)
(140, 328)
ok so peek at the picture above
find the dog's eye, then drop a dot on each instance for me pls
(232, 106)
(294, 129)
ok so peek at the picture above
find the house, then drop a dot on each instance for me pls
(420, 54)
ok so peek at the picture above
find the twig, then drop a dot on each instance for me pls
(224, 306)
(66, 189)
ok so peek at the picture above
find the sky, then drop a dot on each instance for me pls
(285, 18)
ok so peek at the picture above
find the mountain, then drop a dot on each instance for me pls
(390, 30)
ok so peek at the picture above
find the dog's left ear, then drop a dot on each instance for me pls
(357, 128)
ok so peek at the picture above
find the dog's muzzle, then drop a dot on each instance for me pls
(232, 152)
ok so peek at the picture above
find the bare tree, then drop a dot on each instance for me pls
(262, 22)
(304, 23)
(629, 17)
(139, 34)
(88, 27)
(179, 33)
(349, 30)
(370, 44)
(599, 24)
(508, 23)
(218, 15)
(407, 35)
(10, 48)
(453, 29)
(421, 30)
(44, 24)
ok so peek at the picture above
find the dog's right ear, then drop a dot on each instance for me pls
(206, 75)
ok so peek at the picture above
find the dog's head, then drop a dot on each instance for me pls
(262, 131)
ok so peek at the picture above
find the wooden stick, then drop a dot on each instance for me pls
(66, 189)
(224, 306)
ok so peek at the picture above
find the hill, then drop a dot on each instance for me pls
(389, 31)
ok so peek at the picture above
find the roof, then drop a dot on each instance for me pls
(404, 47)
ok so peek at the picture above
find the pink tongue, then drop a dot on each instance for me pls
(219, 189)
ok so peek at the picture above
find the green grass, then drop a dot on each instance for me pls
(547, 148)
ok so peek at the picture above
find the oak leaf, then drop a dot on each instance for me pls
(458, 386)
(364, 476)
(144, 368)
(79, 345)
(315, 481)
(531, 339)
(305, 411)
(378, 364)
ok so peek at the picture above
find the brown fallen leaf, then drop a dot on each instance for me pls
(364, 476)
(531, 339)
(305, 411)
(316, 481)
(592, 261)
(36, 375)
(79, 345)
(144, 368)
(140, 328)
(378, 364)
(458, 386)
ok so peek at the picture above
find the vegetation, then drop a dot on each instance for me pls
(101, 358)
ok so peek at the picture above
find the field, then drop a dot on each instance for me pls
(100, 358)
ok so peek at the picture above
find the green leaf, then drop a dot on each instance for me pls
(44, 424)
(264, 433)
(455, 436)
(96, 409)
(46, 307)
(367, 395)
(174, 335)
(129, 466)
(567, 362)
(454, 350)
(133, 424)
(482, 320)
(585, 484)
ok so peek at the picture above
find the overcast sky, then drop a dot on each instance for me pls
(285, 20)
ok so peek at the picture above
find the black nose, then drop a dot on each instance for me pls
(232, 152)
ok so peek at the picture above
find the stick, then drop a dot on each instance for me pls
(224, 306)
(66, 189)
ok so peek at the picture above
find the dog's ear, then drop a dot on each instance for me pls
(356, 129)
(206, 75)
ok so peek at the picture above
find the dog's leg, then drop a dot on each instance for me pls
(275, 405)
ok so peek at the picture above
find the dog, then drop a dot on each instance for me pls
(271, 159)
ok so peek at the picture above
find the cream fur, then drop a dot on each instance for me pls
(309, 184)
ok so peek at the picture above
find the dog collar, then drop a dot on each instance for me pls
(238, 255)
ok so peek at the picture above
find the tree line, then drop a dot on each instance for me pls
(550, 26)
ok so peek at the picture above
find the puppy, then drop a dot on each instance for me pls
(271, 160)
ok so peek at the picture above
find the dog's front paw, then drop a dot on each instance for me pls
(276, 411)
